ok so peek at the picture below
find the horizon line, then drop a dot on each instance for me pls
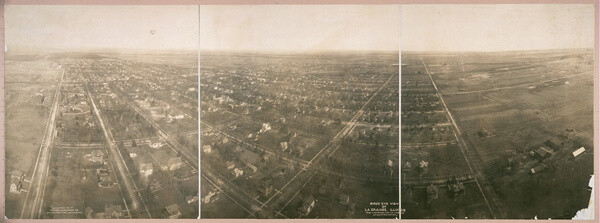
(494, 51)
(92, 49)
(293, 51)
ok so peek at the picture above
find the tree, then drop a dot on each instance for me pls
(133, 144)
(284, 129)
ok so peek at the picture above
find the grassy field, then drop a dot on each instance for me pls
(66, 186)
(26, 117)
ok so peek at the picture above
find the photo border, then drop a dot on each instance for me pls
(297, 2)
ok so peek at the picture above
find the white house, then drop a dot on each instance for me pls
(238, 172)
(155, 144)
(207, 149)
(146, 169)
(578, 152)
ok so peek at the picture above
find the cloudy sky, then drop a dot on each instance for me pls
(300, 27)
(497, 27)
(122, 27)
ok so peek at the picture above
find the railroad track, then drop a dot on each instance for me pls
(495, 206)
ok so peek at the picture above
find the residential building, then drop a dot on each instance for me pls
(146, 169)
(175, 163)
(172, 211)
(97, 156)
(307, 206)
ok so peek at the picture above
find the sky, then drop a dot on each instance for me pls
(300, 28)
(30, 27)
(497, 27)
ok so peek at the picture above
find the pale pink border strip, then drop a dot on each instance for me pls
(285, 2)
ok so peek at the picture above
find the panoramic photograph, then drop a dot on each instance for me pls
(299, 111)
(497, 106)
(101, 112)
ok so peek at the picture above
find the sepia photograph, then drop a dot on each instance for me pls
(101, 112)
(497, 107)
(299, 111)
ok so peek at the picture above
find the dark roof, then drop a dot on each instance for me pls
(307, 203)
(109, 209)
(542, 151)
(267, 182)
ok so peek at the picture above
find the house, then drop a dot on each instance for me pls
(172, 211)
(538, 169)
(284, 146)
(252, 167)
(554, 144)
(175, 163)
(578, 152)
(15, 187)
(230, 164)
(344, 199)
(432, 193)
(265, 157)
(16, 175)
(266, 187)
(113, 211)
(543, 153)
(457, 188)
(106, 182)
(207, 149)
(407, 166)
(423, 164)
(298, 150)
(89, 212)
(146, 169)
(155, 144)
(210, 197)
(97, 156)
(238, 172)
(237, 149)
(307, 206)
(191, 199)
(16, 179)
(155, 185)
(102, 171)
(265, 127)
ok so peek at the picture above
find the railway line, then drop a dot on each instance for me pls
(495, 206)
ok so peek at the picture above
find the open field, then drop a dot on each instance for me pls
(501, 107)
(27, 110)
